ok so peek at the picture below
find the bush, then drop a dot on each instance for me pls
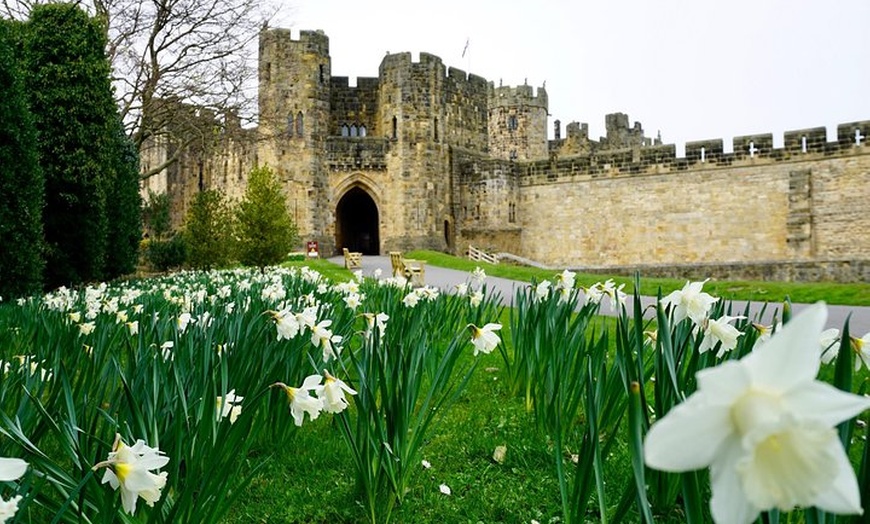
(208, 230)
(164, 255)
(265, 231)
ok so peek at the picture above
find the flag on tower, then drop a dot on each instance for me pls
(464, 49)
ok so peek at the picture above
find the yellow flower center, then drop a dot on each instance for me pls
(122, 469)
(754, 408)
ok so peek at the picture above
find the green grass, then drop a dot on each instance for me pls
(799, 292)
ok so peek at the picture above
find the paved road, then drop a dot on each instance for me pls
(446, 279)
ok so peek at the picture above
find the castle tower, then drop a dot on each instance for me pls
(518, 123)
(412, 117)
(294, 78)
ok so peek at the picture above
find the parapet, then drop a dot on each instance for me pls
(311, 41)
(609, 160)
(524, 95)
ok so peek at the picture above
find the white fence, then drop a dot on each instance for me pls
(481, 256)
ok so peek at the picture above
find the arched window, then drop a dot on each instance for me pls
(362, 130)
(290, 124)
(353, 131)
(512, 122)
(344, 130)
(299, 127)
(395, 128)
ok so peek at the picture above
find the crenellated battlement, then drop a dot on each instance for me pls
(311, 41)
(749, 150)
(524, 95)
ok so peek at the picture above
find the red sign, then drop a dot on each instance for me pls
(313, 249)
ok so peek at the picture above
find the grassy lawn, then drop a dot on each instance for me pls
(799, 292)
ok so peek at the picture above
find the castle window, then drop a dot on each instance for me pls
(353, 130)
(290, 125)
(513, 154)
(512, 122)
(362, 130)
(804, 144)
(299, 127)
(344, 130)
(321, 74)
(512, 212)
(436, 129)
(395, 128)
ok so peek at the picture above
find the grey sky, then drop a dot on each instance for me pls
(692, 69)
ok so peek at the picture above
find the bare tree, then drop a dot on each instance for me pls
(170, 56)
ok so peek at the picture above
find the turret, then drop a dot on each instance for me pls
(518, 123)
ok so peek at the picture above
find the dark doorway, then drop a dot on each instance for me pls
(356, 223)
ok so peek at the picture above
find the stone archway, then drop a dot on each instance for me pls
(356, 222)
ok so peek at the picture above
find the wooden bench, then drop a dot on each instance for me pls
(413, 270)
(352, 259)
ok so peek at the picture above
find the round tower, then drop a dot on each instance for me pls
(517, 123)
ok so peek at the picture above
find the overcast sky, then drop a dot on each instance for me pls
(693, 70)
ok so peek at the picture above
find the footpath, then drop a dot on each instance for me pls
(447, 279)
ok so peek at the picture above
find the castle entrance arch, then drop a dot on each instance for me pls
(356, 222)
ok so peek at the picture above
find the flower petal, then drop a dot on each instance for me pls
(842, 495)
(688, 437)
(791, 356)
(11, 469)
(729, 504)
(825, 403)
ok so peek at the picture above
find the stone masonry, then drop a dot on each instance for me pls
(427, 156)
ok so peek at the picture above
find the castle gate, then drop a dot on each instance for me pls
(356, 222)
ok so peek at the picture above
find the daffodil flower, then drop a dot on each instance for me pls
(766, 429)
(861, 347)
(301, 401)
(719, 330)
(484, 339)
(129, 468)
(332, 393)
(690, 302)
(231, 406)
(10, 469)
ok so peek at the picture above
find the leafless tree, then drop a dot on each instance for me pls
(170, 56)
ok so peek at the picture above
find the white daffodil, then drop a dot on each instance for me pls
(87, 328)
(475, 298)
(690, 302)
(323, 338)
(593, 294)
(129, 468)
(379, 320)
(231, 406)
(183, 321)
(133, 327)
(861, 347)
(10, 469)
(301, 401)
(478, 275)
(332, 393)
(286, 324)
(461, 289)
(484, 339)
(542, 290)
(411, 299)
(766, 429)
(353, 300)
(828, 345)
(565, 280)
(718, 330)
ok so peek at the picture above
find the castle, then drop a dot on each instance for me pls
(426, 156)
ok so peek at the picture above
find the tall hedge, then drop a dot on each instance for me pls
(21, 183)
(71, 99)
(123, 206)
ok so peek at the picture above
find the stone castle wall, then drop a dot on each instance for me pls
(447, 159)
